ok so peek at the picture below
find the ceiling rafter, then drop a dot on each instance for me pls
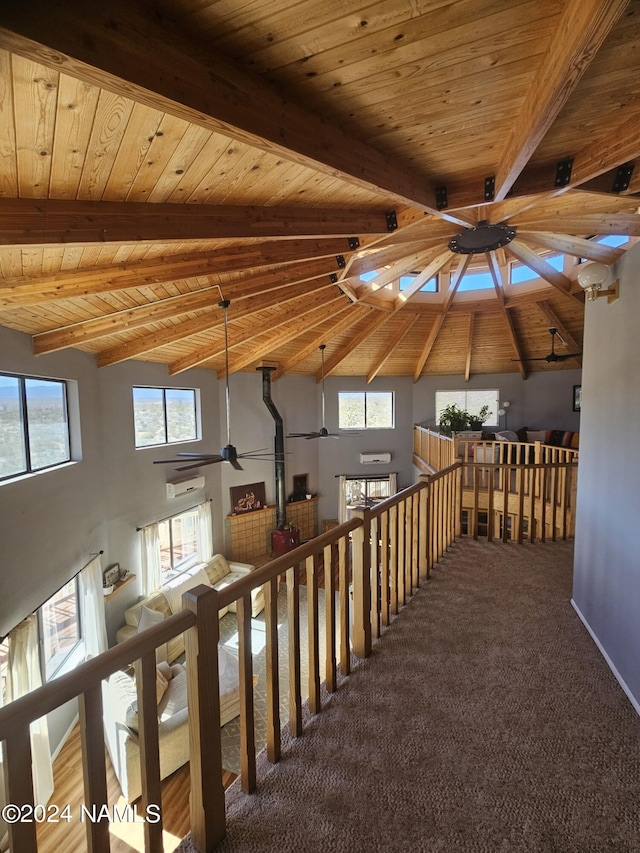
(582, 28)
(315, 260)
(349, 316)
(363, 332)
(467, 365)
(515, 343)
(174, 307)
(529, 258)
(304, 320)
(388, 349)
(48, 222)
(428, 346)
(115, 47)
(569, 245)
(433, 268)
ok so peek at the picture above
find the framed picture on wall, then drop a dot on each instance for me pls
(577, 398)
(247, 498)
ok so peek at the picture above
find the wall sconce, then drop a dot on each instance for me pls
(502, 411)
(591, 277)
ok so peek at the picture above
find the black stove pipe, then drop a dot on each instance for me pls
(281, 513)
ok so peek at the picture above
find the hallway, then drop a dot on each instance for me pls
(485, 720)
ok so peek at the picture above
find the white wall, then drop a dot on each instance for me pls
(606, 589)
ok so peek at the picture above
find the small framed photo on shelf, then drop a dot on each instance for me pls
(577, 398)
(111, 575)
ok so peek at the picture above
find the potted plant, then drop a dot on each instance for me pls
(453, 419)
(476, 421)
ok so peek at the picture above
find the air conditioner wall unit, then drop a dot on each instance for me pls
(371, 458)
(176, 490)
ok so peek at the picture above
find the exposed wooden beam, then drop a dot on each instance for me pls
(387, 351)
(581, 30)
(305, 319)
(409, 263)
(117, 47)
(541, 267)
(616, 145)
(576, 246)
(341, 321)
(313, 260)
(515, 343)
(433, 267)
(174, 307)
(426, 350)
(496, 275)
(365, 330)
(592, 223)
(467, 366)
(555, 322)
(454, 283)
(48, 222)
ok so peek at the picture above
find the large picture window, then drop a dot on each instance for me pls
(34, 424)
(365, 410)
(471, 401)
(164, 415)
(59, 623)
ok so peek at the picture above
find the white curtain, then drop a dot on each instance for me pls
(393, 483)
(23, 676)
(151, 574)
(92, 621)
(204, 532)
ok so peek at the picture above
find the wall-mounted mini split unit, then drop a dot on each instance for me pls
(176, 490)
(375, 458)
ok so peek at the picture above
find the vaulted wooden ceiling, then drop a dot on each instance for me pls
(155, 158)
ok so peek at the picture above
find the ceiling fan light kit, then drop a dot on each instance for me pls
(591, 278)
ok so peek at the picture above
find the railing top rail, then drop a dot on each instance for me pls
(276, 567)
(567, 463)
(443, 473)
(45, 699)
(383, 506)
(433, 432)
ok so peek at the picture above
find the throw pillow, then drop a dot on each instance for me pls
(522, 434)
(148, 618)
(165, 669)
(161, 685)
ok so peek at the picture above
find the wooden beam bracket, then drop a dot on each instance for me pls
(333, 278)
(392, 221)
(489, 188)
(623, 177)
(341, 261)
(563, 172)
(441, 198)
(354, 243)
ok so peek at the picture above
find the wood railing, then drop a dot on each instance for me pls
(383, 553)
(432, 449)
(510, 490)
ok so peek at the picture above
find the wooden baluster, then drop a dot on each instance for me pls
(401, 554)
(415, 540)
(271, 666)
(408, 547)
(543, 504)
(490, 506)
(423, 543)
(343, 580)
(393, 557)
(19, 788)
(361, 566)
(145, 669)
(428, 538)
(384, 567)
(247, 723)
(532, 504)
(458, 527)
(520, 481)
(203, 694)
(330, 558)
(506, 473)
(563, 501)
(293, 619)
(313, 634)
(554, 501)
(94, 766)
(375, 580)
(476, 498)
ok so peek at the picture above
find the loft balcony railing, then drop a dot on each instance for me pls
(383, 554)
(511, 490)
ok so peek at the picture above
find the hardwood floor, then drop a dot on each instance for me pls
(127, 834)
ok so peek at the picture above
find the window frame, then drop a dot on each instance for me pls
(63, 664)
(182, 567)
(23, 404)
(165, 420)
(465, 392)
(365, 426)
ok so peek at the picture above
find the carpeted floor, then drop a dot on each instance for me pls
(485, 720)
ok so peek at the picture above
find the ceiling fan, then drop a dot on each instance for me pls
(323, 432)
(553, 355)
(228, 453)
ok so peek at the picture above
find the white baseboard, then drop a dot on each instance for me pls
(610, 663)
(65, 738)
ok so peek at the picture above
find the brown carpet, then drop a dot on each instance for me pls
(485, 720)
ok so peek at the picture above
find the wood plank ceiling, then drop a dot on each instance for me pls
(155, 156)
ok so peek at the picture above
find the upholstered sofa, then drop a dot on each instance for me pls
(218, 572)
(121, 719)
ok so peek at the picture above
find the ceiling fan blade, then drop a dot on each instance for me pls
(199, 464)
(567, 355)
(235, 464)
